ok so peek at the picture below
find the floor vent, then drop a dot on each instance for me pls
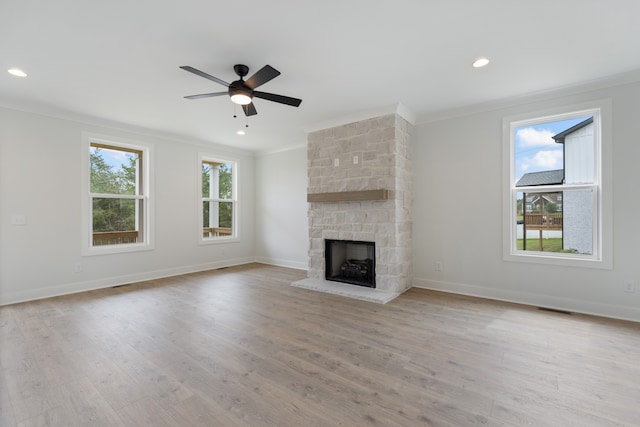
(554, 310)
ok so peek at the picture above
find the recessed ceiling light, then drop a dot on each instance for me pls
(17, 72)
(480, 62)
(241, 132)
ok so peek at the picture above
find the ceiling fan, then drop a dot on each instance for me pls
(242, 92)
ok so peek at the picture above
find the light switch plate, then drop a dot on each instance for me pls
(19, 219)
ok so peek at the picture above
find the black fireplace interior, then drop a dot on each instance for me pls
(351, 262)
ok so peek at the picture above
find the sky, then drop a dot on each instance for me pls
(114, 158)
(535, 150)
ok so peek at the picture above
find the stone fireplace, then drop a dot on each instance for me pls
(360, 189)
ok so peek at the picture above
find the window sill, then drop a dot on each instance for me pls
(116, 249)
(562, 261)
(218, 240)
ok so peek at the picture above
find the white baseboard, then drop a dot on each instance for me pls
(283, 263)
(7, 298)
(536, 300)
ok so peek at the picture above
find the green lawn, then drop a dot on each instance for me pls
(548, 245)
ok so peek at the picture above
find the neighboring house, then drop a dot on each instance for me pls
(576, 226)
(579, 158)
(533, 200)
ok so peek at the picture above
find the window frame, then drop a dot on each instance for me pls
(234, 237)
(602, 224)
(144, 195)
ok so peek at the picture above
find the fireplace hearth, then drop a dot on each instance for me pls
(352, 262)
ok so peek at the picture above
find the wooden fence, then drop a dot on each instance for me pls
(114, 238)
(547, 221)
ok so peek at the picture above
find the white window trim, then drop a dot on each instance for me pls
(147, 194)
(235, 234)
(603, 197)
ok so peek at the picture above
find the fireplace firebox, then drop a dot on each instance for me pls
(349, 261)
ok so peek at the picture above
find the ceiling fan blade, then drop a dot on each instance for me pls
(263, 75)
(206, 95)
(294, 102)
(249, 110)
(203, 74)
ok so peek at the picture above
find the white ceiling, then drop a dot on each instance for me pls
(118, 60)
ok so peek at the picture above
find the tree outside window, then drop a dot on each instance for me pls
(117, 202)
(218, 198)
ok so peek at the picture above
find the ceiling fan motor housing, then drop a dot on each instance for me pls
(238, 88)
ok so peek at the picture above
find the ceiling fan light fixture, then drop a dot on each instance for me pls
(239, 93)
(240, 98)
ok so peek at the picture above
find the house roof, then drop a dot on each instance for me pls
(541, 178)
(559, 138)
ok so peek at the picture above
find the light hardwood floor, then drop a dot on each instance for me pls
(241, 347)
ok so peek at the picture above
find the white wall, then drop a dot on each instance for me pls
(40, 159)
(282, 233)
(458, 213)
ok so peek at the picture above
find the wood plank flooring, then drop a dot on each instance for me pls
(241, 347)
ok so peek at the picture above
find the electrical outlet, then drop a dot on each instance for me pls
(355, 160)
(629, 285)
(438, 265)
(336, 162)
(77, 268)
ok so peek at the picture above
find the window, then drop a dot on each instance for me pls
(218, 210)
(554, 204)
(116, 197)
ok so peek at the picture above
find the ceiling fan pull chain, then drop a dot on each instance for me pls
(234, 110)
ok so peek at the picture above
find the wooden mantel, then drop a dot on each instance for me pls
(349, 196)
